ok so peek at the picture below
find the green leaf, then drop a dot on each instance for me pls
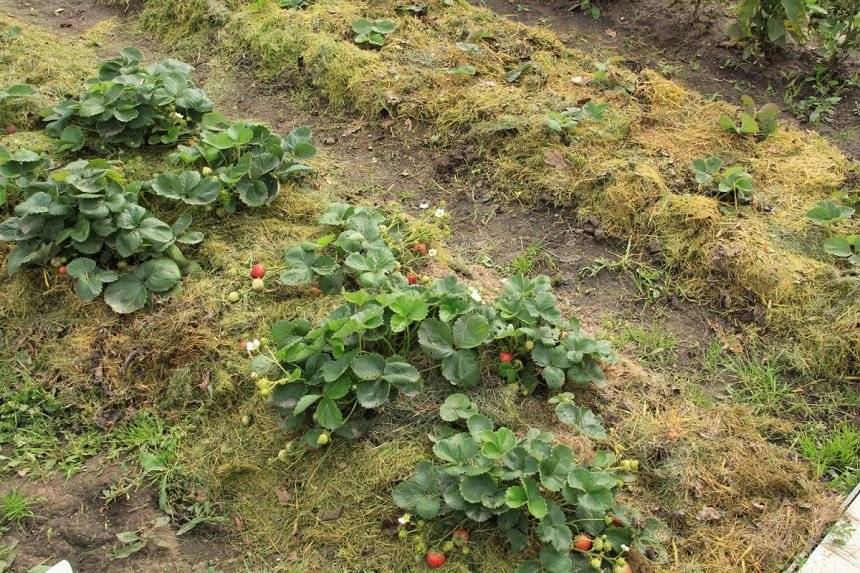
(372, 394)
(471, 331)
(126, 295)
(828, 212)
(368, 366)
(456, 407)
(305, 402)
(334, 369)
(527, 494)
(553, 528)
(496, 444)
(402, 375)
(420, 493)
(555, 468)
(583, 419)
(475, 488)
(457, 449)
(328, 415)
(838, 246)
(408, 307)
(159, 275)
(436, 338)
(461, 368)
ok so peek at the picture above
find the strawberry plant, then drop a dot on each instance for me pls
(732, 181)
(451, 323)
(334, 374)
(293, 4)
(845, 247)
(829, 212)
(372, 32)
(13, 92)
(130, 105)
(361, 251)
(243, 161)
(451, 328)
(531, 487)
(87, 213)
(760, 122)
(19, 169)
(567, 121)
(587, 6)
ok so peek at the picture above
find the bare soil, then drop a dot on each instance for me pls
(72, 522)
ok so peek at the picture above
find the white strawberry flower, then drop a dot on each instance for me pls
(476, 296)
(423, 206)
(252, 345)
(439, 213)
(404, 519)
(431, 253)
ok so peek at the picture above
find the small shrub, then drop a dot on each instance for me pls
(565, 122)
(758, 122)
(238, 161)
(86, 220)
(531, 487)
(130, 105)
(19, 169)
(731, 182)
(364, 351)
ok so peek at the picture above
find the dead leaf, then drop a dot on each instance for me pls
(611, 33)
(708, 513)
(391, 97)
(554, 158)
(284, 496)
(239, 522)
(580, 80)
(355, 127)
(331, 514)
(204, 382)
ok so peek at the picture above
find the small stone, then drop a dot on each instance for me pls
(331, 514)
(330, 140)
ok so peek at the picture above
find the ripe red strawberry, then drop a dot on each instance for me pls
(460, 535)
(505, 357)
(412, 278)
(420, 248)
(435, 559)
(10, 129)
(582, 542)
(62, 270)
(258, 271)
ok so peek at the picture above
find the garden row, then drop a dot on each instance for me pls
(84, 220)
(514, 96)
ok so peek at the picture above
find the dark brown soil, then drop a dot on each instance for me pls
(663, 34)
(73, 523)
